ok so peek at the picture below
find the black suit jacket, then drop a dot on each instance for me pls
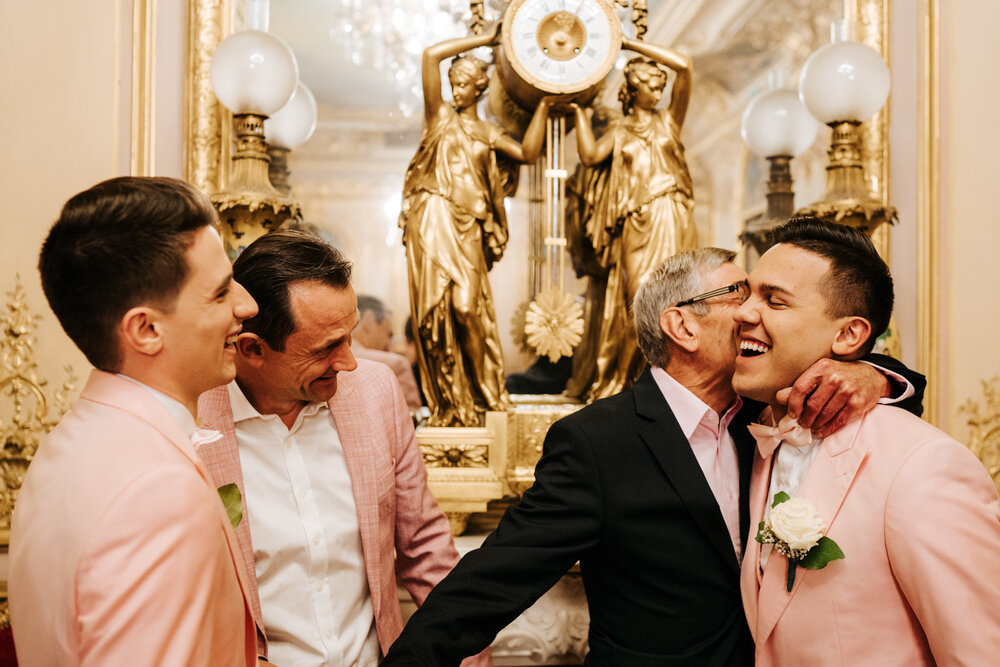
(619, 489)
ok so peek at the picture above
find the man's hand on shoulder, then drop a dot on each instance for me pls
(831, 394)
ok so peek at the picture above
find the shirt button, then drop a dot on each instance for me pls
(316, 540)
(319, 587)
(302, 493)
(288, 444)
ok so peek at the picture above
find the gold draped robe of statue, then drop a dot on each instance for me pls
(643, 215)
(454, 228)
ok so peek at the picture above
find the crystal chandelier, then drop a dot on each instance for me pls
(389, 36)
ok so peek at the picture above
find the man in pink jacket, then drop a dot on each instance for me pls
(121, 551)
(323, 451)
(907, 570)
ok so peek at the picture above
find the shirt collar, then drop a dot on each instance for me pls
(243, 409)
(688, 409)
(177, 410)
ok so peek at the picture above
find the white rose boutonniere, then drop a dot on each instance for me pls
(797, 530)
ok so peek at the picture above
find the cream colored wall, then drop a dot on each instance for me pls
(970, 202)
(66, 124)
(64, 127)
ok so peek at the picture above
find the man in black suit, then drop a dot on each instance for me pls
(628, 489)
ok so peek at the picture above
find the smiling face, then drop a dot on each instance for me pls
(784, 326)
(716, 328)
(200, 330)
(317, 350)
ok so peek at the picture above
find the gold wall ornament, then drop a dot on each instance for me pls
(29, 410)
(984, 425)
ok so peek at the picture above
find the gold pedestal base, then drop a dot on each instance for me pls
(462, 466)
(469, 467)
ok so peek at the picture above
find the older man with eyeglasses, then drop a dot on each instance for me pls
(647, 490)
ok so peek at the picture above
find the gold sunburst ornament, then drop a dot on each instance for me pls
(554, 324)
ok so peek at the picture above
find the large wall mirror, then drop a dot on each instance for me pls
(361, 59)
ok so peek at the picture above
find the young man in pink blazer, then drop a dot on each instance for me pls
(914, 514)
(323, 451)
(121, 550)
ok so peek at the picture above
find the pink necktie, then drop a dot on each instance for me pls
(788, 430)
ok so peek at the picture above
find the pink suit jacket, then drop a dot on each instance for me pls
(121, 552)
(399, 365)
(918, 520)
(396, 511)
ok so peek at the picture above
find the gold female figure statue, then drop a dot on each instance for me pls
(454, 229)
(644, 213)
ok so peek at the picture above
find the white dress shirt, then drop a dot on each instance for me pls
(177, 410)
(713, 447)
(787, 472)
(310, 565)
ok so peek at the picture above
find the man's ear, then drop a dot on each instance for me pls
(683, 331)
(251, 348)
(852, 335)
(140, 330)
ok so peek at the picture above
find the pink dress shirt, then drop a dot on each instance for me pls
(713, 447)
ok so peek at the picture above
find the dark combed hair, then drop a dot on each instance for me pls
(118, 245)
(271, 264)
(858, 282)
(367, 302)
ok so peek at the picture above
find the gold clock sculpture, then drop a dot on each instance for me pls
(557, 47)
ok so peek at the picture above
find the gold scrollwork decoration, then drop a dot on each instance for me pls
(984, 428)
(28, 411)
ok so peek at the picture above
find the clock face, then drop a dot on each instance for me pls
(561, 46)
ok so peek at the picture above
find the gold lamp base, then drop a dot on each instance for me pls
(847, 201)
(251, 207)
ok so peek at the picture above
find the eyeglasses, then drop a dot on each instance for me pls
(741, 288)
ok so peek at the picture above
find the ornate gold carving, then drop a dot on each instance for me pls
(561, 35)
(462, 466)
(984, 425)
(554, 324)
(32, 411)
(442, 455)
(527, 425)
(207, 134)
(477, 20)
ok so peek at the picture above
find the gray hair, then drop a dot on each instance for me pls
(678, 278)
(379, 310)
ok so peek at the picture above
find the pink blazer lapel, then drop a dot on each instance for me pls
(222, 459)
(357, 439)
(750, 572)
(825, 486)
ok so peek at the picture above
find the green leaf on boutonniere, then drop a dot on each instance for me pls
(779, 498)
(233, 502)
(825, 551)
